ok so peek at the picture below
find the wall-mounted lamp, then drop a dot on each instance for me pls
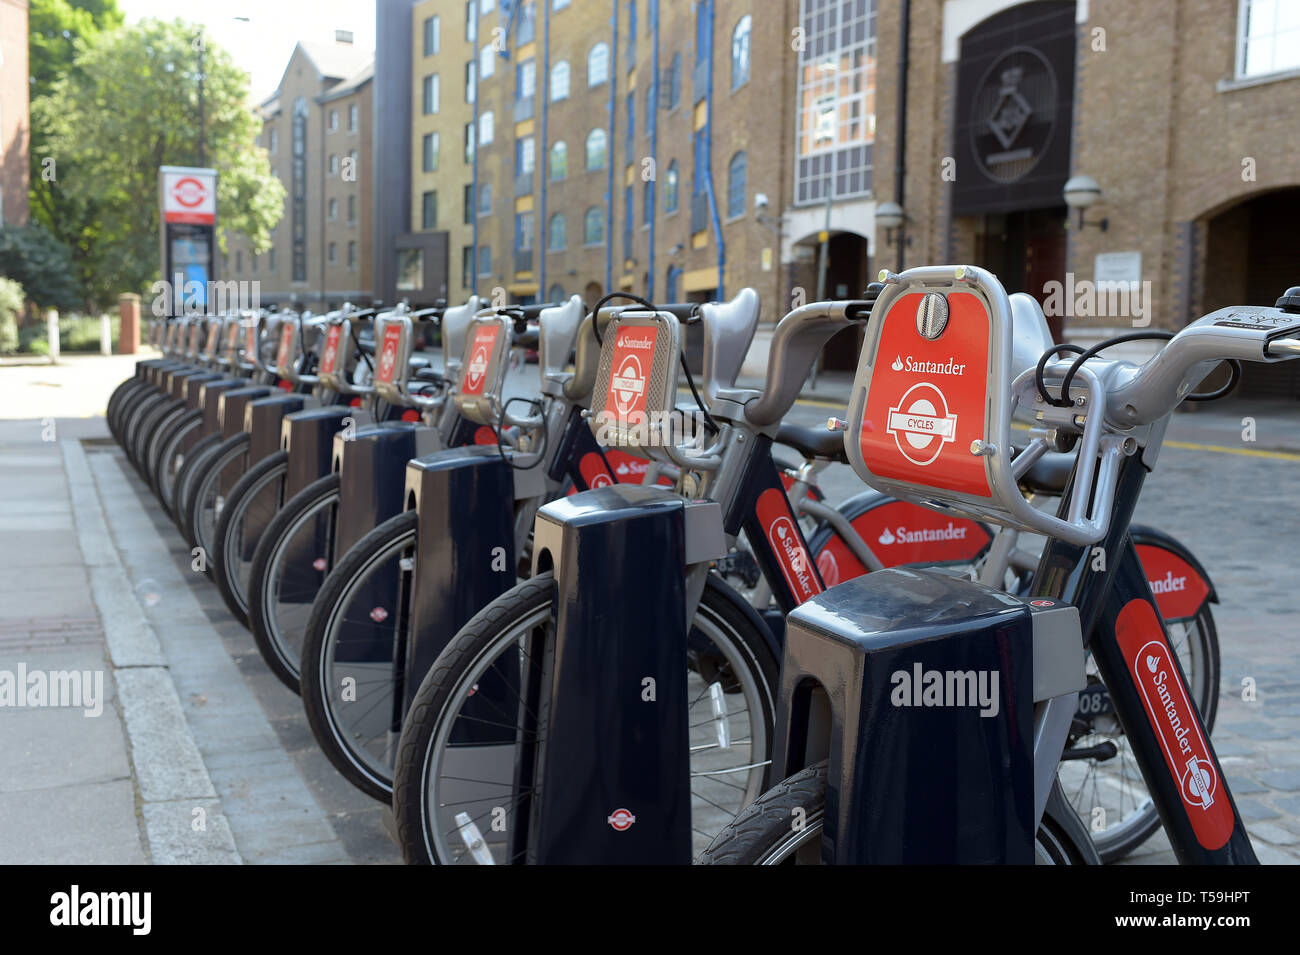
(891, 217)
(1080, 193)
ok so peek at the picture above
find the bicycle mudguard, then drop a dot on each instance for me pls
(1179, 582)
(899, 533)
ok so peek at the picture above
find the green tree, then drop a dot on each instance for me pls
(41, 264)
(128, 106)
(55, 29)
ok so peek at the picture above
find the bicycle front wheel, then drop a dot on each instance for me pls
(252, 503)
(291, 561)
(459, 747)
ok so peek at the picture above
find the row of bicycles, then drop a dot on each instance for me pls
(606, 615)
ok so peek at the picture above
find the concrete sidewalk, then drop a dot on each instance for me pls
(174, 744)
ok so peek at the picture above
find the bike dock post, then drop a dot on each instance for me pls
(308, 438)
(465, 549)
(370, 466)
(932, 677)
(615, 772)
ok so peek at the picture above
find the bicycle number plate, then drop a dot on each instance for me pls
(636, 380)
(389, 347)
(329, 356)
(284, 357)
(487, 353)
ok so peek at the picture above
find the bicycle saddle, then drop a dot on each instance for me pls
(814, 442)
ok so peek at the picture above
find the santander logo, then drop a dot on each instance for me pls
(1168, 584)
(950, 367)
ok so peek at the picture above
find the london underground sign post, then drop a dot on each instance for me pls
(187, 227)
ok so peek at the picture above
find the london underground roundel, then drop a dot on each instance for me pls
(634, 350)
(480, 355)
(927, 400)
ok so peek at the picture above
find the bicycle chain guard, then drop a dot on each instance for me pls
(636, 379)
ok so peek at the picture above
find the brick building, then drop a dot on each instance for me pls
(15, 124)
(687, 148)
(1181, 111)
(317, 129)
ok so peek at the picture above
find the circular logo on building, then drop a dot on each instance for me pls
(1013, 114)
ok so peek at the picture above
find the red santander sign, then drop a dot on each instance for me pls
(189, 195)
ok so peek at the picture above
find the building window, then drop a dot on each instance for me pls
(429, 210)
(560, 81)
(593, 227)
(836, 97)
(352, 210)
(648, 202)
(526, 80)
(526, 32)
(631, 32)
(598, 64)
(595, 150)
(467, 266)
(485, 260)
(469, 142)
(432, 35)
(556, 294)
(331, 254)
(559, 161)
(525, 156)
(740, 53)
(334, 120)
(670, 188)
(334, 209)
(559, 4)
(523, 231)
(631, 120)
(1268, 37)
(430, 151)
(487, 6)
(675, 82)
(356, 163)
(737, 170)
(651, 92)
(431, 94)
(556, 237)
(352, 255)
(352, 118)
(471, 21)
(486, 131)
(468, 205)
(275, 141)
(334, 164)
(471, 70)
(487, 61)
(485, 198)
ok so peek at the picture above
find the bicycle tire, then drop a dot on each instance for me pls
(276, 645)
(341, 743)
(196, 527)
(162, 433)
(195, 460)
(495, 628)
(223, 561)
(188, 427)
(784, 826)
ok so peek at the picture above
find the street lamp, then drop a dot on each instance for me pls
(1080, 193)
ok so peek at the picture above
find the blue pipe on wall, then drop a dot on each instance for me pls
(708, 161)
(652, 187)
(543, 152)
(609, 149)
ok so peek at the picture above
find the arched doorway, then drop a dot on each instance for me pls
(847, 275)
(1252, 256)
